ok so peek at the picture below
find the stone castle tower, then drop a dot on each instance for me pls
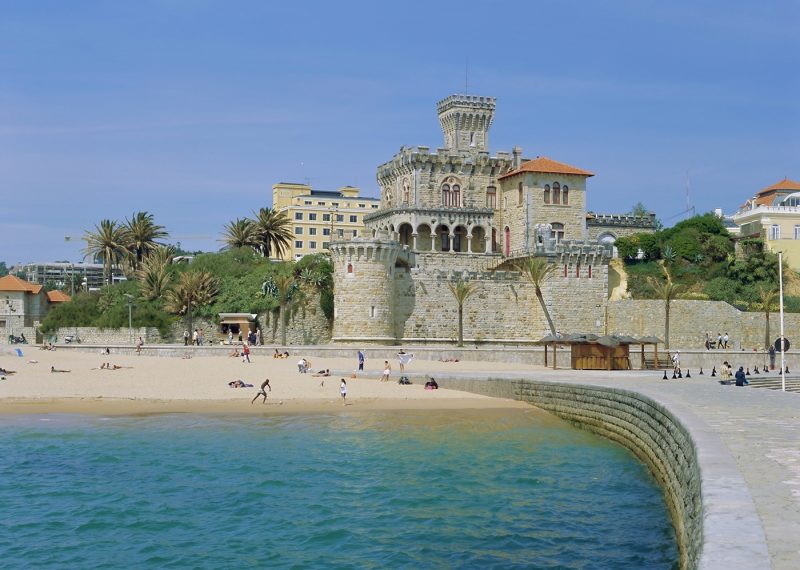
(460, 213)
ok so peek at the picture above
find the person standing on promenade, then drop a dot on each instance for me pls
(185, 338)
(194, 337)
(725, 341)
(139, 344)
(262, 392)
(771, 357)
(343, 391)
(360, 360)
(259, 342)
(719, 341)
(387, 370)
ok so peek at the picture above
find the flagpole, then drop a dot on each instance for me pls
(783, 342)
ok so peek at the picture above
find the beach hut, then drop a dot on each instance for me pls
(592, 352)
(236, 323)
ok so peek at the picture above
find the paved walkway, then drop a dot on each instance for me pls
(746, 437)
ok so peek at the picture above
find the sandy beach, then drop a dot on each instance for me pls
(146, 384)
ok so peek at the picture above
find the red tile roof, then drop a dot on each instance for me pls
(784, 184)
(57, 297)
(548, 165)
(14, 283)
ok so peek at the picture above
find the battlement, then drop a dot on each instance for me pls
(466, 102)
(621, 220)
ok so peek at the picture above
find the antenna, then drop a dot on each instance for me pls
(466, 75)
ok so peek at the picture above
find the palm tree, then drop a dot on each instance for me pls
(193, 288)
(107, 242)
(286, 288)
(239, 233)
(272, 232)
(666, 291)
(766, 302)
(154, 274)
(461, 290)
(537, 271)
(140, 235)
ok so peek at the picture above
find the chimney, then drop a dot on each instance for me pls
(516, 161)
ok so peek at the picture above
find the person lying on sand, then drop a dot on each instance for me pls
(448, 360)
(239, 384)
(54, 369)
(325, 372)
(7, 372)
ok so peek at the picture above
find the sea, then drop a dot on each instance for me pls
(482, 489)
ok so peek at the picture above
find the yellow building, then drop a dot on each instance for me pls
(317, 215)
(774, 216)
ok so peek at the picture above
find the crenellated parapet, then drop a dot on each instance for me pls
(622, 220)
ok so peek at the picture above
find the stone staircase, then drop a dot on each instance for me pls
(773, 382)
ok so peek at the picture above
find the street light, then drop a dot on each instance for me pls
(130, 320)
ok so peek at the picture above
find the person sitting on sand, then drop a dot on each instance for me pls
(276, 354)
(234, 353)
(325, 372)
(285, 355)
(262, 392)
(431, 384)
(54, 369)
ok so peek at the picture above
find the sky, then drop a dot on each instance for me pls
(192, 109)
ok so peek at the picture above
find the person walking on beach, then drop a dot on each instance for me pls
(360, 360)
(262, 392)
(246, 353)
(343, 391)
(386, 371)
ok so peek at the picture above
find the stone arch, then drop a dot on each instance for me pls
(442, 237)
(478, 244)
(607, 238)
(460, 239)
(424, 238)
(405, 230)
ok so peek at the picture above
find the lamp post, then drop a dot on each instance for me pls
(130, 319)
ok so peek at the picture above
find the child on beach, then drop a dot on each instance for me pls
(343, 392)
(386, 371)
(262, 392)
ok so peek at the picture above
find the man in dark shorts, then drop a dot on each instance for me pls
(262, 391)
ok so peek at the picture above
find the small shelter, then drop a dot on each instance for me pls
(593, 352)
(236, 323)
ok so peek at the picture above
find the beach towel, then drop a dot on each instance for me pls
(16, 351)
(405, 358)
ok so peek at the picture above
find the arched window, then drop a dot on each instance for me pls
(446, 195)
(556, 193)
(565, 195)
(546, 193)
(455, 195)
(558, 231)
(491, 197)
(349, 268)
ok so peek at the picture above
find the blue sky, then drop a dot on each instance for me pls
(192, 109)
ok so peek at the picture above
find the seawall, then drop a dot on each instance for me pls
(716, 525)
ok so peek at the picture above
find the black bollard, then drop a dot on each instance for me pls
(688, 375)
(674, 376)
(714, 371)
(748, 372)
(680, 374)
(755, 370)
(787, 370)
(665, 376)
(701, 371)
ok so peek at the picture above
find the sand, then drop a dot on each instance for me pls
(148, 384)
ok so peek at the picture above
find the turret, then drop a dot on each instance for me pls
(465, 120)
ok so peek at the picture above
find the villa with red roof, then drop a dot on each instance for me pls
(773, 215)
(23, 305)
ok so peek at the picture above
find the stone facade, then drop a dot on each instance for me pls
(459, 213)
(606, 228)
(691, 320)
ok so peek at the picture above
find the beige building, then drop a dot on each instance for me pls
(773, 215)
(23, 305)
(317, 215)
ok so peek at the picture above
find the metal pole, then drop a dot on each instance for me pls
(783, 342)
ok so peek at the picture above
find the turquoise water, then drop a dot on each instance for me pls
(454, 489)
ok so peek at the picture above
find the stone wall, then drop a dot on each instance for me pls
(645, 427)
(98, 336)
(690, 320)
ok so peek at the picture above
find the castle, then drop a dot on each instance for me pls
(460, 213)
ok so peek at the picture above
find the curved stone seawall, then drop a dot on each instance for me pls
(645, 427)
